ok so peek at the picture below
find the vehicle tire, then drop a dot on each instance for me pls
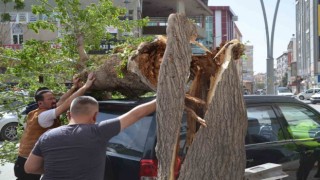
(9, 132)
(301, 97)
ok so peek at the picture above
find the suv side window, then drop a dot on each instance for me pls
(263, 125)
(130, 141)
(302, 122)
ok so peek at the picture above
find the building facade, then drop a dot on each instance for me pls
(15, 32)
(247, 69)
(223, 24)
(307, 41)
(282, 70)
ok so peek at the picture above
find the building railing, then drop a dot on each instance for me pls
(12, 46)
(163, 21)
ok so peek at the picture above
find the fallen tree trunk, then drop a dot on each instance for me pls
(107, 79)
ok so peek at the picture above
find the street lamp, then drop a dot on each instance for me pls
(270, 72)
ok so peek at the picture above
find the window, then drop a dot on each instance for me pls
(302, 122)
(310, 91)
(130, 141)
(262, 125)
(13, 17)
(17, 33)
(22, 17)
(33, 17)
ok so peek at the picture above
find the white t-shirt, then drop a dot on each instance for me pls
(46, 118)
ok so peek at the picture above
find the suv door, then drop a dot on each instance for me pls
(266, 141)
(303, 125)
(125, 150)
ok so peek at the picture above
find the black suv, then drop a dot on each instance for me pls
(280, 130)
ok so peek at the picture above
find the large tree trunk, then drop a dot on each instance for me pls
(107, 79)
(171, 90)
(218, 151)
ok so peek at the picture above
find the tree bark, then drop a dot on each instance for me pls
(218, 151)
(83, 56)
(171, 89)
(107, 79)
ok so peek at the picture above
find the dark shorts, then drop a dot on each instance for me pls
(20, 173)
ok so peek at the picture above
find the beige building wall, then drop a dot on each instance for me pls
(43, 35)
(5, 29)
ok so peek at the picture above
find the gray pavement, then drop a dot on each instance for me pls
(6, 172)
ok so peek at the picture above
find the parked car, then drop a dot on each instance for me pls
(284, 91)
(280, 130)
(10, 119)
(314, 99)
(308, 93)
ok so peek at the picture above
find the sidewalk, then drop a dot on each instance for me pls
(6, 172)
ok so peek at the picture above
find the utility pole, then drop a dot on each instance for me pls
(181, 7)
(270, 71)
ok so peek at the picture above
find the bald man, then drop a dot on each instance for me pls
(78, 150)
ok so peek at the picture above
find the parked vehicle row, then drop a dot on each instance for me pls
(281, 130)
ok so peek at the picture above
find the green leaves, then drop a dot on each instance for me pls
(5, 17)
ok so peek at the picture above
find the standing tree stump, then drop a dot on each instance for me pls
(218, 151)
(171, 90)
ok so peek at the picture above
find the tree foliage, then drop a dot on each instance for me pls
(51, 64)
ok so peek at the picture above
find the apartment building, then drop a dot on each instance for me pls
(307, 41)
(15, 32)
(247, 69)
(223, 22)
(282, 69)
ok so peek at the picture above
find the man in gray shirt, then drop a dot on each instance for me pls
(78, 150)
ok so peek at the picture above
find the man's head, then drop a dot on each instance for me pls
(84, 109)
(45, 99)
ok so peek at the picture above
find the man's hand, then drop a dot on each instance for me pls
(90, 80)
(77, 83)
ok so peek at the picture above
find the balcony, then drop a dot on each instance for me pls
(12, 46)
(158, 12)
(158, 26)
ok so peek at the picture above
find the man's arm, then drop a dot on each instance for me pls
(137, 113)
(66, 104)
(34, 164)
(46, 118)
(76, 84)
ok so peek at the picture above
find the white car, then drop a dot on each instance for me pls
(8, 126)
(284, 91)
(315, 98)
(308, 93)
(9, 121)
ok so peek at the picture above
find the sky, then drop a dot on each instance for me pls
(252, 27)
